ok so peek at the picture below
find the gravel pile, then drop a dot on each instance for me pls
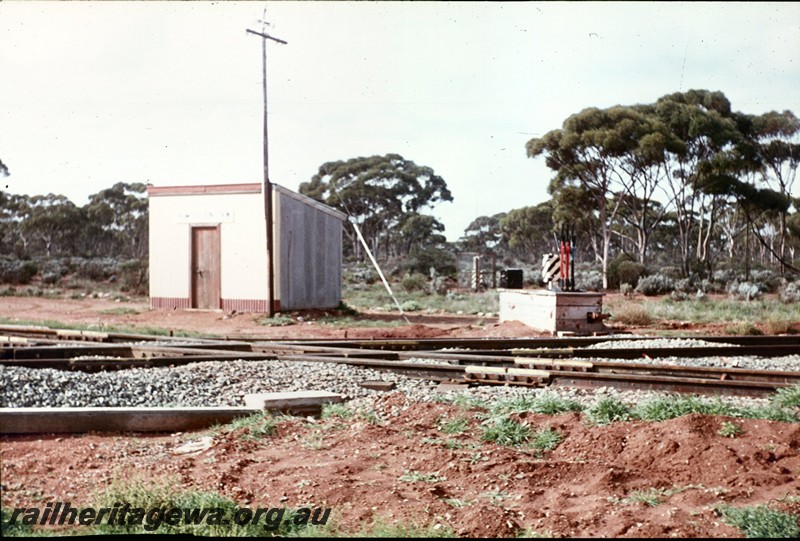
(198, 384)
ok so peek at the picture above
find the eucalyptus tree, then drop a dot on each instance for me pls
(777, 138)
(376, 193)
(119, 220)
(528, 231)
(483, 235)
(704, 126)
(597, 150)
(51, 224)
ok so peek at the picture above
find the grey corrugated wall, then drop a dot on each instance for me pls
(310, 255)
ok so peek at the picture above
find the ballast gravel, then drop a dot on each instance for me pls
(225, 383)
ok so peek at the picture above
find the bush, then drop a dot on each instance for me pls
(135, 277)
(414, 282)
(614, 279)
(97, 270)
(744, 291)
(767, 281)
(655, 284)
(629, 272)
(17, 272)
(589, 280)
(790, 293)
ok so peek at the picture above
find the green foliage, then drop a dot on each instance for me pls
(383, 194)
(655, 284)
(413, 476)
(547, 402)
(339, 410)
(456, 425)
(761, 521)
(546, 439)
(414, 282)
(729, 430)
(791, 293)
(17, 272)
(396, 530)
(787, 397)
(503, 430)
(254, 427)
(608, 410)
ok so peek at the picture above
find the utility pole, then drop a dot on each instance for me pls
(266, 188)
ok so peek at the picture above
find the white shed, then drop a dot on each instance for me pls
(208, 249)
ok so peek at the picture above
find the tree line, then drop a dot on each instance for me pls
(683, 182)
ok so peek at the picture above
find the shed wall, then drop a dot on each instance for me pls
(243, 264)
(308, 265)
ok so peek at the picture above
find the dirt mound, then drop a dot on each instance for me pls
(632, 479)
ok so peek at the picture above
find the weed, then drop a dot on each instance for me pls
(120, 311)
(413, 476)
(730, 430)
(455, 502)
(454, 426)
(608, 410)
(342, 411)
(505, 431)
(461, 400)
(787, 397)
(548, 403)
(546, 439)
(256, 426)
(743, 329)
(496, 497)
(474, 458)
(632, 314)
(761, 521)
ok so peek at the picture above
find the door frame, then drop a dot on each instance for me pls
(217, 232)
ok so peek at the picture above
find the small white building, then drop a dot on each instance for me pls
(208, 249)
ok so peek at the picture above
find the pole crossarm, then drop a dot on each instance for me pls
(266, 36)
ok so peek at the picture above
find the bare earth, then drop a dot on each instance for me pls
(476, 488)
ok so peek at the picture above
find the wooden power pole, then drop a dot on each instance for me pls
(267, 185)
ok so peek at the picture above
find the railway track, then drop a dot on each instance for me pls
(534, 362)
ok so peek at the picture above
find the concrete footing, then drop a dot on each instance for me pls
(77, 420)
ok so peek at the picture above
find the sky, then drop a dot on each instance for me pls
(94, 93)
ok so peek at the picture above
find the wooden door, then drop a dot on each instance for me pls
(205, 268)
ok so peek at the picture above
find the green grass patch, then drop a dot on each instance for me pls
(457, 425)
(608, 410)
(787, 397)
(503, 430)
(730, 430)
(276, 321)
(712, 310)
(120, 311)
(381, 528)
(546, 439)
(761, 521)
(255, 427)
(124, 329)
(334, 410)
(413, 476)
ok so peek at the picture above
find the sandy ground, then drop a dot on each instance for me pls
(587, 486)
